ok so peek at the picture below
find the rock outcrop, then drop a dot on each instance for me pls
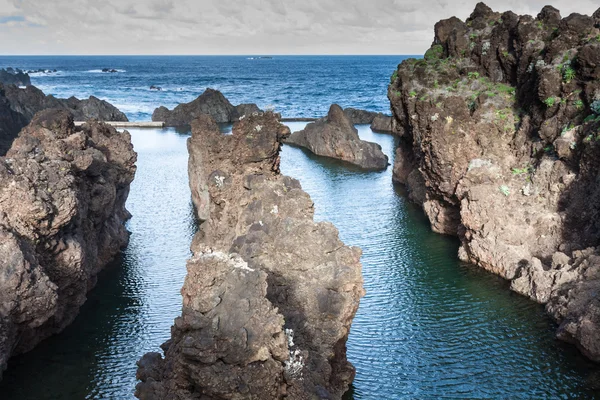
(270, 294)
(12, 76)
(31, 100)
(334, 136)
(382, 123)
(211, 102)
(62, 214)
(499, 127)
(11, 123)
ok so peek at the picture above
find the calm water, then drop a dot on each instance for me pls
(429, 327)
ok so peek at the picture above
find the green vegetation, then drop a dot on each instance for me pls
(505, 53)
(394, 77)
(540, 25)
(413, 94)
(436, 84)
(434, 53)
(566, 129)
(522, 171)
(568, 73)
(473, 75)
(578, 104)
(550, 101)
(505, 190)
(473, 36)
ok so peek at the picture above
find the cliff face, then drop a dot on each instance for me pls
(62, 214)
(500, 130)
(270, 294)
(32, 100)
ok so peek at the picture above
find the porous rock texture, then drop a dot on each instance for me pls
(270, 294)
(31, 100)
(211, 102)
(500, 143)
(62, 214)
(335, 136)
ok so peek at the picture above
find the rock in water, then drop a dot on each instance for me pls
(11, 122)
(359, 117)
(62, 214)
(270, 294)
(335, 136)
(32, 100)
(499, 125)
(14, 77)
(211, 102)
(382, 123)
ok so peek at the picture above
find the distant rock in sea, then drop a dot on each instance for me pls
(211, 102)
(110, 70)
(16, 77)
(335, 136)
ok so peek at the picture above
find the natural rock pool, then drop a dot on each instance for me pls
(428, 327)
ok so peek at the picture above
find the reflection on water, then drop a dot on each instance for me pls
(429, 327)
(131, 310)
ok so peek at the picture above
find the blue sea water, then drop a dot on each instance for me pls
(429, 326)
(297, 86)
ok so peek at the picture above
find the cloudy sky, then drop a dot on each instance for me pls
(237, 27)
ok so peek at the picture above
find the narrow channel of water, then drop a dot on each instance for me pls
(429, 327)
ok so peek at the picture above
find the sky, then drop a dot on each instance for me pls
(238, 27)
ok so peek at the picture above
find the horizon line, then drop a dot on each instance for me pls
(210, 55)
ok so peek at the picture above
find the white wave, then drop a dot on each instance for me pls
(99, 71)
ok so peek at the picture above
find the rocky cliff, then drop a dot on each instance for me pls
(12, 76)
(62, 214)
(211, 102)
(335, 136)
(31, 100)
(500, 143)
(270, 294)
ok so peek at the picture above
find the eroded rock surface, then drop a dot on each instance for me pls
(270, 294)
(31, 100)
(499, 142)
(211, 102)
(382, 123)
(335, 136)
(62, 214)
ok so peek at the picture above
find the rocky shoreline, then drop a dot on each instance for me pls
(498, 126)
(63, 193)
(270, 294)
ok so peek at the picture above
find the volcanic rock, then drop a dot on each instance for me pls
(382, 123)
(16, 77)
(335, 136)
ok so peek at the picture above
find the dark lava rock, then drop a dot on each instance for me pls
(62, 197)
(270, 294)
(16, 77)
(31, 100)
(335, 136)
(157, 88)
(11, 123)
(498, 129)
(357, 116)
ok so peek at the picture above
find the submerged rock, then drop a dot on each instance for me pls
(16, 77)
(32, 100)
(335, 136)
(498, 141)
(270, 294)
(211, 102)
(62, 214)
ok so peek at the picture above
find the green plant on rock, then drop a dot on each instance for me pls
(435, 52)
(550, 101)
(505, 190)
(394, 77)
(521, 171)
(568, 73)
(413, 94)
(578, 104)
(473, 75)
(473, 36)
(436, 84)
(540, 25)
(505, 53)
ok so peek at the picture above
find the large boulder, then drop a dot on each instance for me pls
(62, 197)
(335, 136)
(498, 129)
(16, 77)
(270, 294)
(382, 123)
(359, 117)
(211, 102)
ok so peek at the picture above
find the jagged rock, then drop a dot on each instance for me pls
(11, 122)
(211, 102)
(16, 77)
(335, 136)
(357, 116)
(62, 214)
(497, 131)
(32, 100)
(382, 123)
(283, 288)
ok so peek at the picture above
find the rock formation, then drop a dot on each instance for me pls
(357, 116)
(62, 214)
(270, 294)
(382, 123)
(32, 100)
(499, 127)
(17, 77)
(211, 102)
(11, 123)
(335, 136)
